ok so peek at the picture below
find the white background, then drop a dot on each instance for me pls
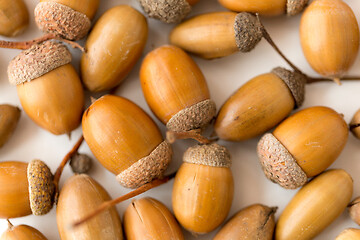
(224, 76)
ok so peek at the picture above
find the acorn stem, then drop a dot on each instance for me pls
(26, 44)
(172, 136)
(346, 78)
(108, 204)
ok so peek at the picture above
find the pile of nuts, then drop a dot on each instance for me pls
(253, 98)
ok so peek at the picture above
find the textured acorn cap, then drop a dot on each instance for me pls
(295, 82)
(247, 31)
(169, 11)
(213, 155)
(147, 168)
(41, 187)
(193, 117)
(294, 7)
(52, 17)
(278, 164)
(37, 61)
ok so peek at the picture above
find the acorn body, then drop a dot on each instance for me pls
(349, 234)
(355, 124)
(202, 194)
(329, 47)
(22, 232)
(175, 89)
(315, 206)
(80, 195)
(9, 117)
(14, 17)
(113, 47)
(132, 140)
(148, 218)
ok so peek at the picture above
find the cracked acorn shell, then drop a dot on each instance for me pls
(147, 218)
(175, 89)
(315, 206)
(260, 104)
(129, 145)
(349, 234)
(9, 117)
(302, 146)
(203, 188)
(114, 45)
(14, 17)
(329, 47)
(80, 195)
(22, 232)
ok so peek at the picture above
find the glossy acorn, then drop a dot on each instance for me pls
(302, 146)
(349, 234)
(203, 188)
(315, 206)
(66, 18)
(260, 104)
(329, 35)
(114, 45)
(23, 232)
(80, 195)
(147, 218)
(48, 87)
(175, 89)
(9, 117)
(14, 17)
(130, 144)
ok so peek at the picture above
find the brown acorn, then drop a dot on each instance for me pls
(349, 234)
(260, 104)
(354, 210)
(14, 17)
(9, 117)
(150, 219)
(22, 232)
(203, 188)
(135, 150)
(66, 18)
(355, 125)
(79, 195)
(302, 146)
(113, 47)
(48, 87)
(25, 189)
(175, 89)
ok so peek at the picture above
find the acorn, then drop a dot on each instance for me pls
(23, 232)
(354, 210)
(65, 18)
(25, 189)
(14, 18)
(260, 104)
(113, 47)
(129, 145)
(355, 124)
(9, 117)
(349, 234)
(176, 90)
(147, 218)
(302, 146)
(79, 195)
(315, 206)
(168, 11)
(48, 86)
(203, 188)
(253, 222)
(329, 35)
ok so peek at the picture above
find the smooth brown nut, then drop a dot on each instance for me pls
(349, 234)
(355, 125)
(9, 117)
(354, 210)
(23, 232)
(14, 17)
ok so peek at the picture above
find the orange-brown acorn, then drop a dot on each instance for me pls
(22, 232)
(9, 117)
(125, 140)
(355, 124)
(349, 234)
(14, 17)
(354, 210)
(302, 146)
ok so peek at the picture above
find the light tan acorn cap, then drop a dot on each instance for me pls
(295, 81)
(294, 7)
(52, 17)
(147, 168)
(37, 61)
(168, 11)
(41, 187)
(247, 31)
(213, 155)
(193, 117)
(278, 164)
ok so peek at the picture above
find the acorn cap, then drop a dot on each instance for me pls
(193, 117)
(294, 7)
(41, 187)
(247, 31)
(168, 11)
(37, 61)
(278, 164)
(295, 81)
(147, 168)
(52, 17)
(213, 155)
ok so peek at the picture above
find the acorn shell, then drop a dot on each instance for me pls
(14, 18)
(355, 121)
(9, 117)
(354, 210)
(87, 7)
(349, 234)
(22, 232)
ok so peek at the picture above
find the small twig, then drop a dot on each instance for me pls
(10, 226)
(27, 44)
(72, 44)
(172, 136)
(346, 78)
(108, 204)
